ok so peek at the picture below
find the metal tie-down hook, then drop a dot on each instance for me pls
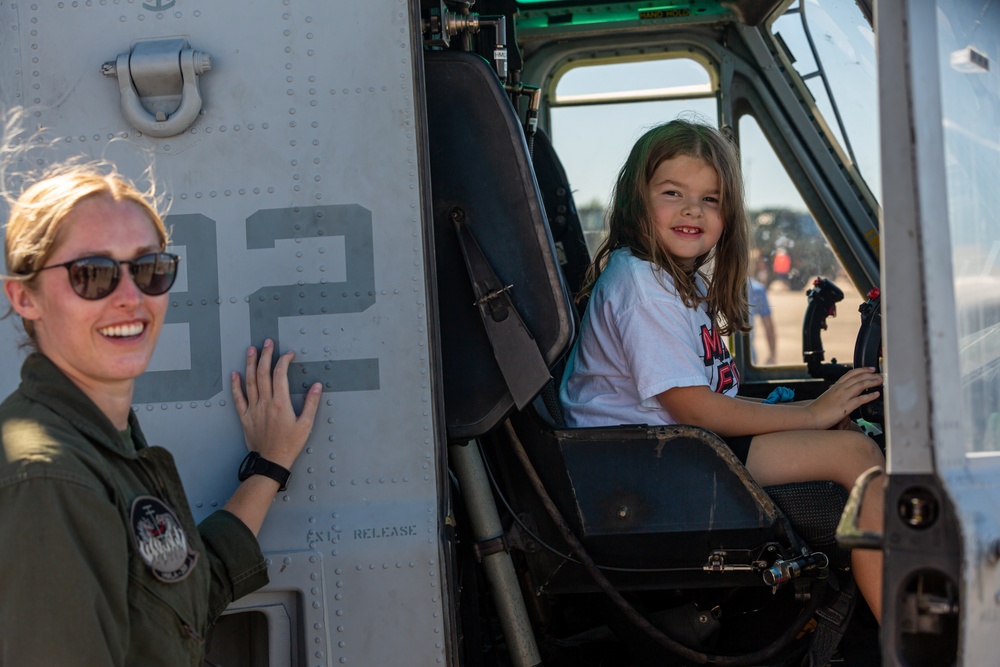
(159, 84)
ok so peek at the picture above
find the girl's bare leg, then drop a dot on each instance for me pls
(838, 456)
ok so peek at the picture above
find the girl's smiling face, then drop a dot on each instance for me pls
(683, 200)
(108, 341)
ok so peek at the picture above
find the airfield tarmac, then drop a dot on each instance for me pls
(788, 307)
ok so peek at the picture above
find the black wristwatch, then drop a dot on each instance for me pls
(255, 464)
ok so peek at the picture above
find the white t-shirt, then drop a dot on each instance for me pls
(637, 340)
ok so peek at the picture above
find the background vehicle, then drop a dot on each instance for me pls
(322, 161)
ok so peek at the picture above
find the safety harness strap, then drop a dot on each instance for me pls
(515, 349)
(832, 620)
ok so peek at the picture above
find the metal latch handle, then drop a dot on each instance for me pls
(849, 535)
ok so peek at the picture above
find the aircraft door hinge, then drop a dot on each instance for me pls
(159, 84)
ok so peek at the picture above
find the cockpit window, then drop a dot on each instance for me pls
(598, 110)
(619, 81)
(832, 47)
(968, 52)
(787, 252)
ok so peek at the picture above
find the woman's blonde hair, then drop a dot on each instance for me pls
(38, 214)
(630, 224)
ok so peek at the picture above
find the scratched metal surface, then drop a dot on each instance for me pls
(295, 203)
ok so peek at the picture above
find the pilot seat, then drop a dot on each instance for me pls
(666, 518)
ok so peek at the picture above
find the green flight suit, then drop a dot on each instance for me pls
(76, 582)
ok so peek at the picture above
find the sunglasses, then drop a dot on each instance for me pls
(94, 278)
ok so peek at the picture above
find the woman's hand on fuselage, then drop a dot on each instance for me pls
(270, 425)
(726, 416)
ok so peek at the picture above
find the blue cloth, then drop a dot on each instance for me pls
(781, 395)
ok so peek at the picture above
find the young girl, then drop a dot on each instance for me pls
(651, 348)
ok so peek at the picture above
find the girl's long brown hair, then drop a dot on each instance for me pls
(631, 226)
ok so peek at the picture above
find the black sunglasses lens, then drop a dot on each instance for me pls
(93, 277)
(154, 274)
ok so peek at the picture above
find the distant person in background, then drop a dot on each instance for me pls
(760, 308)
(782, 265)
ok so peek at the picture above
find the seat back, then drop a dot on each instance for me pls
(480, 166)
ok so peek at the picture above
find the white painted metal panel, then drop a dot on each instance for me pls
(296, 203)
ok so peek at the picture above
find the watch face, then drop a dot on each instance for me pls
(247, 467)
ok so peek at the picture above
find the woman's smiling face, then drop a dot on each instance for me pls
(684, 202)
(107, 341)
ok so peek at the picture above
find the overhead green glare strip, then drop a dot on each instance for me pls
(555, 14)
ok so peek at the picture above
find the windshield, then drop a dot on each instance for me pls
(832, 47)
(968, 48)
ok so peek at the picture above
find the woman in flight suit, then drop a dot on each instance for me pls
(101, 560)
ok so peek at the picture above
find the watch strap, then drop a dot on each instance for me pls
(255, 464)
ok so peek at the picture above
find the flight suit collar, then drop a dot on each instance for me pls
(43, 382)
